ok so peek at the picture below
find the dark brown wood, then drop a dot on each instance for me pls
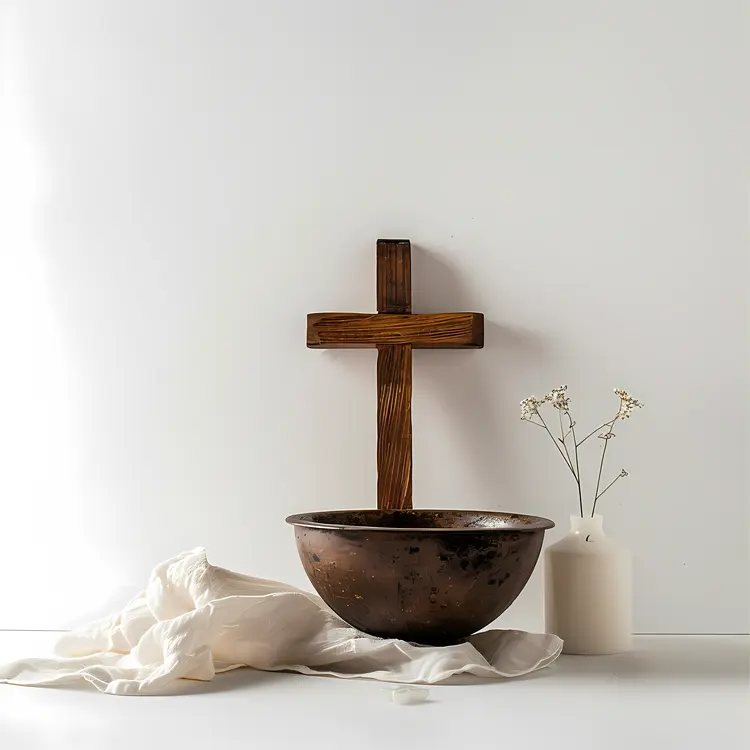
(394, 332)
(394, 276)
(394, 371)
(394, 427)
(423, 331)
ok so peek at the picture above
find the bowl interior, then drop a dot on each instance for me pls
(422, 520)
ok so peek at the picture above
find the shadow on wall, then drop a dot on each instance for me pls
(471, 385)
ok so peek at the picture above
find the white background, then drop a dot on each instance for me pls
(183, 181)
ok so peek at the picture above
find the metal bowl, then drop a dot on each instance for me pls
(426, 576)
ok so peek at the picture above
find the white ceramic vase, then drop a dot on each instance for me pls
(588, 590)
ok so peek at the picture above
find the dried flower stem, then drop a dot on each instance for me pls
(558, 398)
(554, 440)
(593, 432)
(619, 476)
(601, 464)
(578, 471)
(562, 438)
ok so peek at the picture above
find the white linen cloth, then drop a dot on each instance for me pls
(195, 620)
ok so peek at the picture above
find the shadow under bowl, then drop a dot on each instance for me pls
(425, 576)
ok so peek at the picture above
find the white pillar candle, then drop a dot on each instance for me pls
(588, 590)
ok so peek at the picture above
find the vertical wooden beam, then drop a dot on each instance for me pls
(394, 380)
(394, 276)
(394, 427)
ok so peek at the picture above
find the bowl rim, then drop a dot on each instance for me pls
(523, 521)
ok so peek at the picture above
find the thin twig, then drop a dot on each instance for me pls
(578, 470)
(619, 476)
(601, 463)
(536, 424)
(593, 432)
(562, 438)
(554, 440)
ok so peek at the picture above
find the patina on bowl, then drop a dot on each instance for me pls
(426, 576)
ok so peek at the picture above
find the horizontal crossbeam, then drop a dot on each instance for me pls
(422, 330)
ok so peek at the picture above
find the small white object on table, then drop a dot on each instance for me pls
(409, 695)
(682, 692)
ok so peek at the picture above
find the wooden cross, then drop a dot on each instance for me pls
(394, 332)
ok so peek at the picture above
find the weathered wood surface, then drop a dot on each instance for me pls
(394, 427)
(394, 276)
(393, 292)
(422, 331)
(394, 331)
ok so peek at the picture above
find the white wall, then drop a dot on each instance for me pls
(183, 181)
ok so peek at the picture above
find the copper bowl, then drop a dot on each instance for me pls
(426, 576)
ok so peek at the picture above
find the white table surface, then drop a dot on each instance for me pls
(670, 693)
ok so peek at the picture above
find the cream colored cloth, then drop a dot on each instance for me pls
(194, 620)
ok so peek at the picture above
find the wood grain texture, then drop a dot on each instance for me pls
(394, 332)
(422, 331)
(394, 427)
(393, 293)
(394, 276)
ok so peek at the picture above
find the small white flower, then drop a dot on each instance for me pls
(607, 436)
(623, 473)
(627, 404)
(530, 406)
(558, 399)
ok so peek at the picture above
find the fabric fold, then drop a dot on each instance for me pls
(194, 620)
